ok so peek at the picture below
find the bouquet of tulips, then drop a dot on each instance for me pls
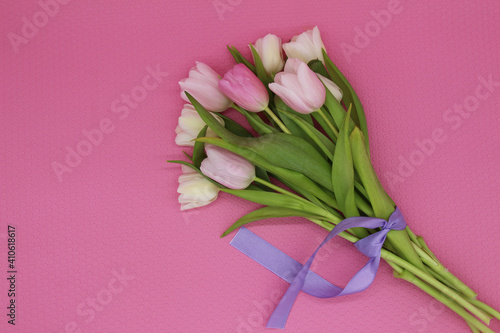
(304, 152)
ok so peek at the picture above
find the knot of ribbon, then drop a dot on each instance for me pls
(306, 280)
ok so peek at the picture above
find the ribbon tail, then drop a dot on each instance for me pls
(280, 315)
(363, 278)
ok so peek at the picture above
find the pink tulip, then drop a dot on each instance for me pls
(242, 86)
(299, 87)
(202, 84)
(306, 46)
(227, 168)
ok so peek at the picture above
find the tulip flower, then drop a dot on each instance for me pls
(190, 125)
(306, 46)
(331, 86)
(227, 168)
(195, 190)
(299, 87)
(202, 84)
(269, 50)
(242, 86)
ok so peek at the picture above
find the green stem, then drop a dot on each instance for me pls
(277, 120)
(328, 122)
(431, 286)
(278, 189)
(471, 320)
(436, 284)
(433, 263)
(486, 308)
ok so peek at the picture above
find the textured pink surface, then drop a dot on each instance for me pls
(117, 209)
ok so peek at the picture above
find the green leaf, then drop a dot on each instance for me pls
(318, 67)
(187, 155)
(199, 148)
(266, 213)
(293, 153)
(262, 174)
(256, 122)
(210, 120)
(239, 58)
(274, 199)
(343, 176)
(320, 140)
(260, 71)
(234, 127)
(296, 178)
(350, 96)
(343, 172)
(324, 125)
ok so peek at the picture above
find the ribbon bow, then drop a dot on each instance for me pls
(281, 264)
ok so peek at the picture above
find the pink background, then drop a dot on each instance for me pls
(118, 211)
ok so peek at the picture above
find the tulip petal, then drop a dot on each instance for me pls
(290, 98)
(208, 72)
(312, 87)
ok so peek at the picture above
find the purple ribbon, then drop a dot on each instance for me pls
(284, 266)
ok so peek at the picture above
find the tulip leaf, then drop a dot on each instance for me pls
(266, 213)
(256, 122)
(262, 174)
(293, 153)
(324, 125)
(295, 178)
(234, 127)
(199, 148)
(260, 71)
(274, 199)
(313, 199)
(320, 140)
(382, 204)
(317, 67)
(239, 58)
(343, 171)
(187, 155)
(210, 120)
(349, 97)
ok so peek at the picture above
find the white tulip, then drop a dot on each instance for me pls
(269, 50)
(190, 125)
(195, 190)
(332, 87)
(306, 46)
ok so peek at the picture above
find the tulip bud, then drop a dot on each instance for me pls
(195, 190)
(306, 46)
(190, 125)
(331, 86)
(299, 87)
(227, 168)
(203, 85)
(269, 50)
(242, 86)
